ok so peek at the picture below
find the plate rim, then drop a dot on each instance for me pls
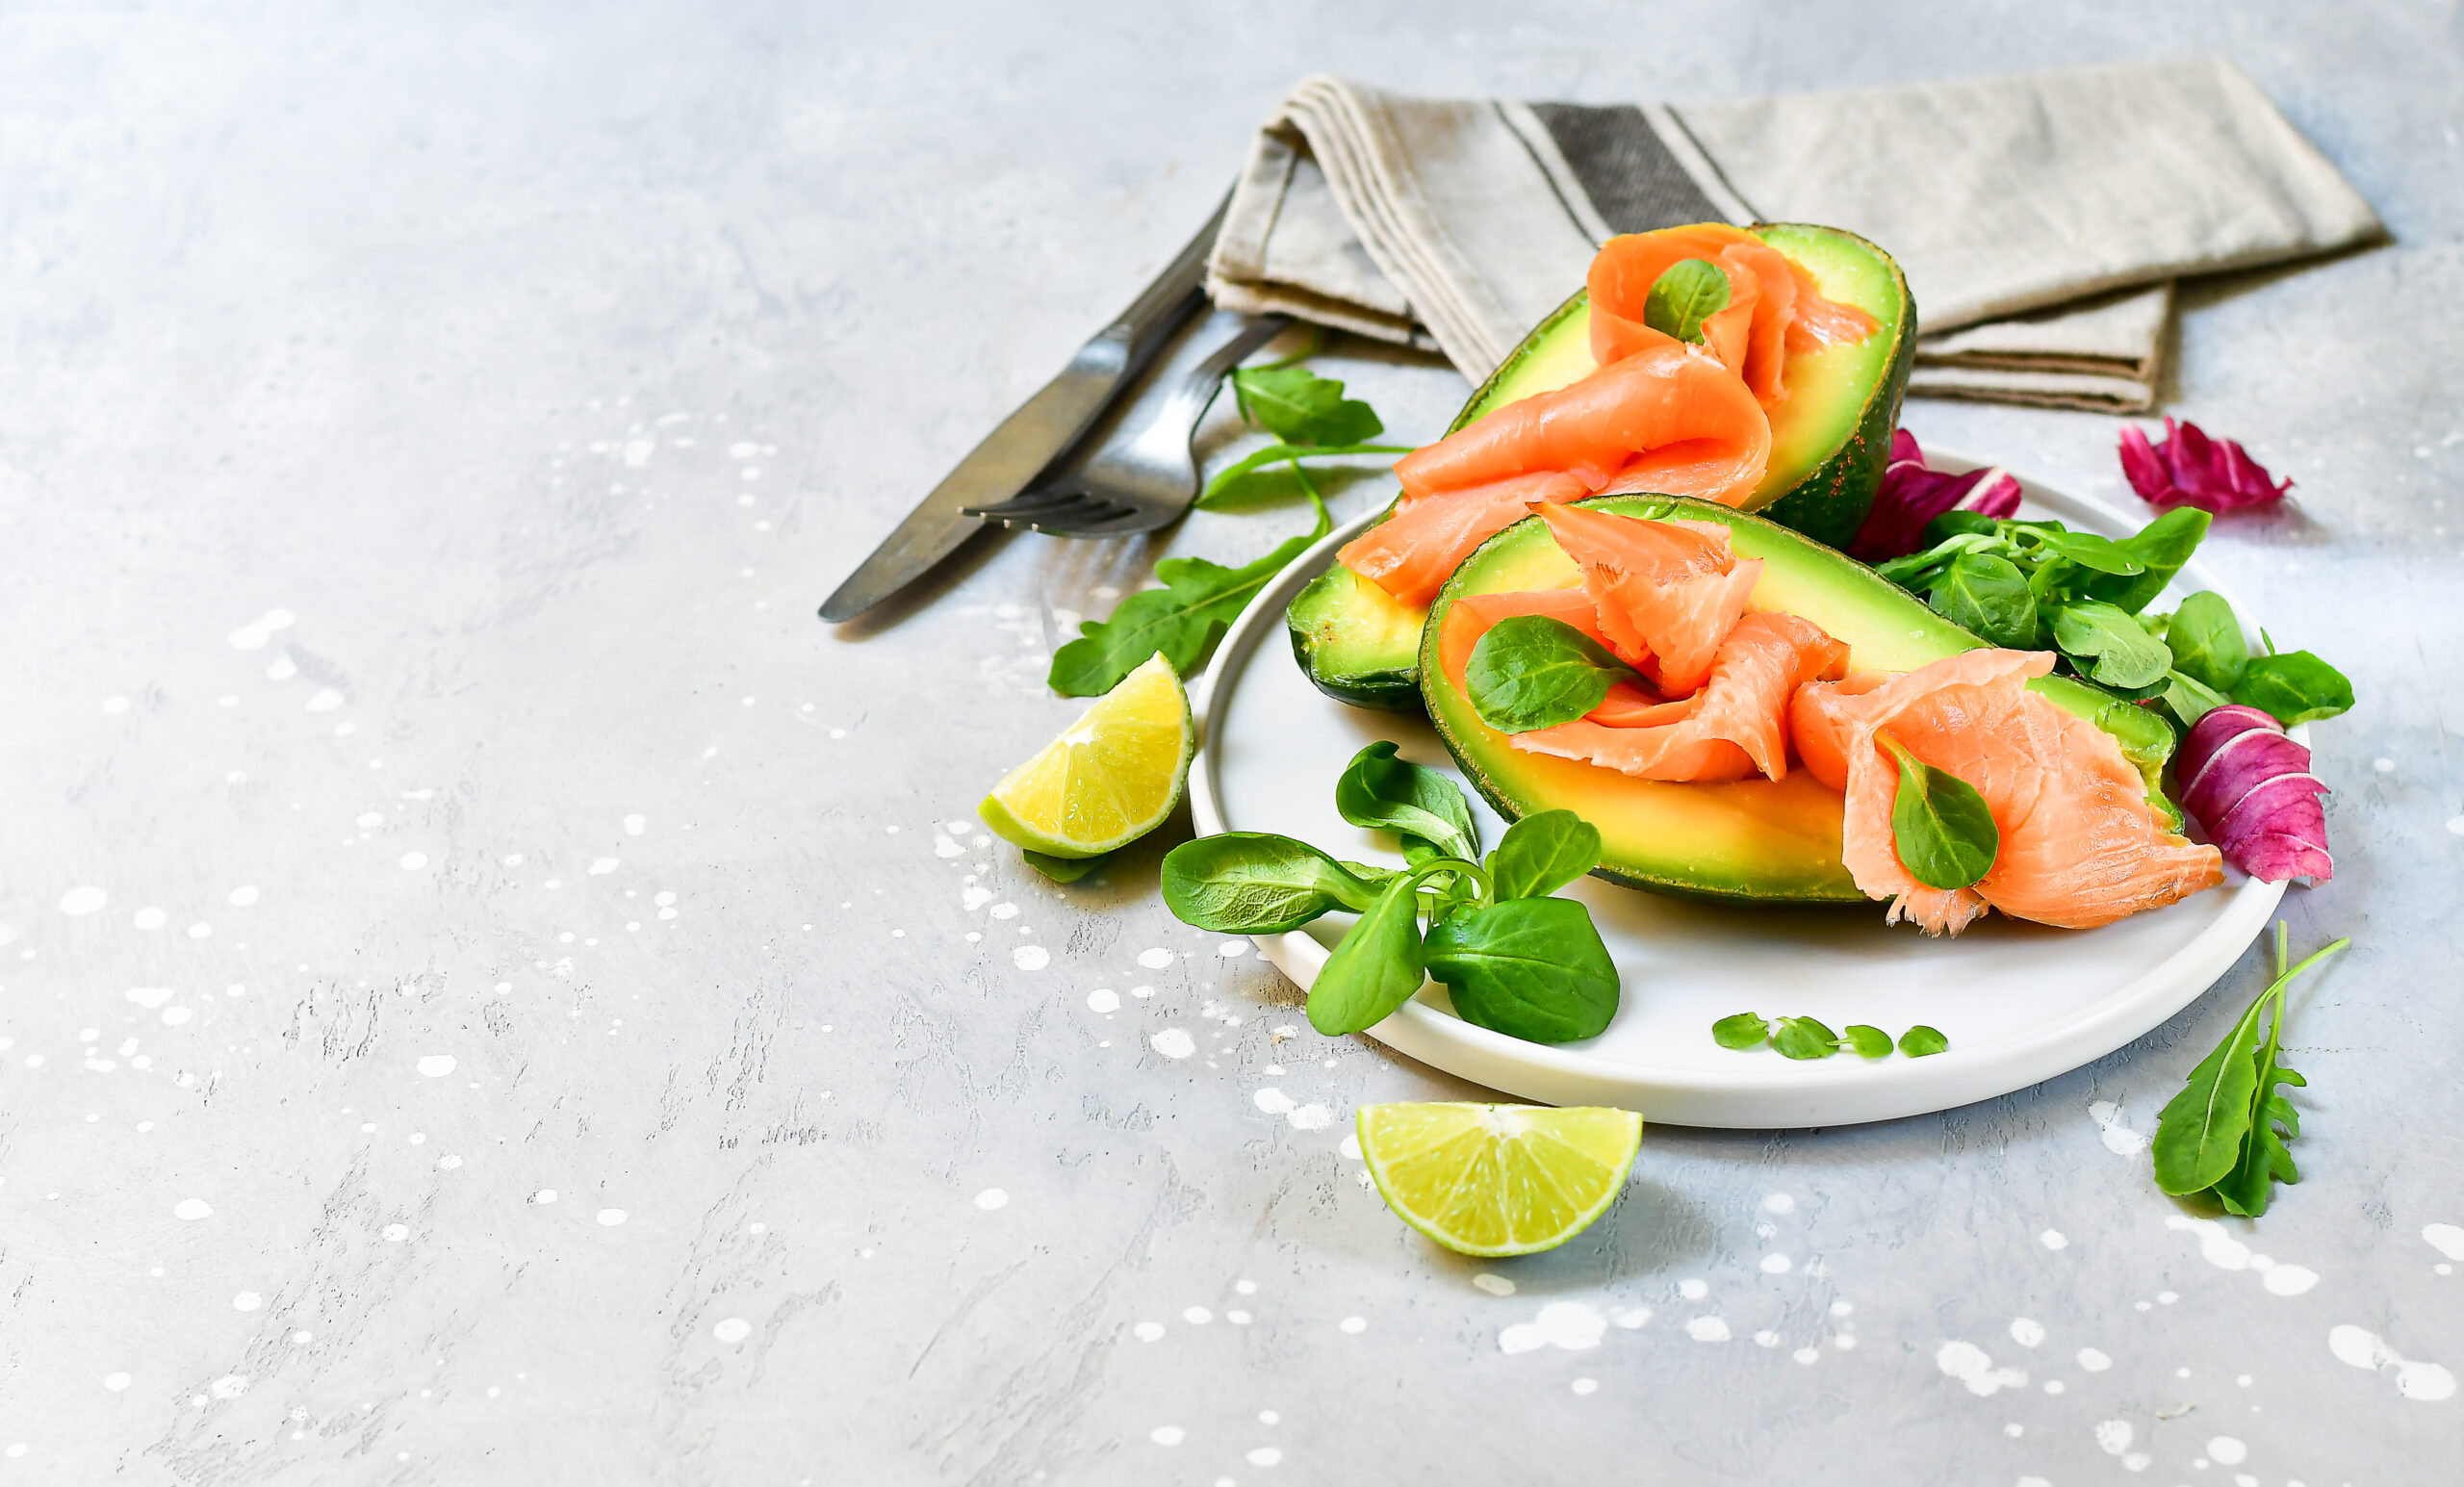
(1819, 1094)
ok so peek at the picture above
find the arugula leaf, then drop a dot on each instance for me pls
(2226, 1129)
(1198, 603)
(1687, 292)
(1940, 828)
(1803, 1037)
(1987, 595)
(1541, 854)
(2161, 547)
(1745, 1029)
(1920, 1041)
(1531, 672)
(1532, 969)
(1299, 406)
(2293, 686)
(1277, 453)
(1384, 793)
(1062, 870)
(1253, 883)
(2205, 637)
(1378, 966)
(2110, 645)
(1866, 1040)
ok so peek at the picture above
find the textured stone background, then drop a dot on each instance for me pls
(585, 1052)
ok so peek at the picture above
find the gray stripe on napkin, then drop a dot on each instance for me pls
(1632, 180)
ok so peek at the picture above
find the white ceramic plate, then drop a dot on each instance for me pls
(2020, 1003)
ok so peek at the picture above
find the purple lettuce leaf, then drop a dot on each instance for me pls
(2188, 468)
(1912, 495)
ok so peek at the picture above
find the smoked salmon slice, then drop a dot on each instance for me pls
(1413, 553)
(1774, 305)
(2080, 846)
(1669, 418)
(1667, 592)
(1470, 617)
(1735, 726)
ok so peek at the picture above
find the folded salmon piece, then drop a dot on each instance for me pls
(1413, 553)
(1667, 593)
(1669, 418)
(2080, 846)
(1774, 305)
(1735, 726)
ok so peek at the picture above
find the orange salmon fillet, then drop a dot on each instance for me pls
(1670, 419)
(2080, 845)
(1735, 726)
(1667, 592)
(1774, 305)
(1413, 553)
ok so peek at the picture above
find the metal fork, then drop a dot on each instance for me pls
(1143, 482)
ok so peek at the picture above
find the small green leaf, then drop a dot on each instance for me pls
(1384, 793)
(1687, 292)
(1279, 453)
(2110, 645)
(1378, 966)
(1198, 602)
(1988, 596)
(1939, 825)
(1531, 672)
(2200, 1132)
(1803, 1037)
(1921, 1040)
(1299, 406)
(1062, 870)
(2293, 686)
(1532, 969)
(2189, 699)
(1745, 1029)
(1252, 883)
(2205, 637)
(2089, 550)
(1866, 1040)
(1541, 854)
(2159, 548)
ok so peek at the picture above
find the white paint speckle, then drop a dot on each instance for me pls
(1354, 1325)
(1168, 1435)
(254, 636)
(1708, 1330)
(2026, 1331)
(191, 1210)
(1807, 1355)
(2456, 826)
(2227, 1450)
(83, 899)
(1693, 1289)
(1149, 1331)
(2092, 1361)
(1267, 1455)
(244, 895)
(177, 1016)
(2363, 1349)
(1494, 1285)
(2446, 1237)
(230, 1386)
(413, 861)
(600, 867)
(1196, 1316)
(1272, 1101)
(544, 1195)
(1031, 957)
(2053, 1238)
(116, 1382)
(396, 1233)
(1967, 1363)
(1779, 1203)
(1103, 999)
(2119, 1139)
(610, 1218)
(991, 1198)
(325, 700)
(1173, 1043)
(1232, 949)
(1776, 1265)
(150, 919)
(1311, 1117)
(635, 824)
(2289, 1280)
(2114, 1436)
(246, 1301)
(731, 1329)
(1155, 960)
(436, 1065)
(1572, 1325)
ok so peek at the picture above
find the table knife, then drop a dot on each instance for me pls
(1029, 439)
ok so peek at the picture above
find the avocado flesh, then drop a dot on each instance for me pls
(1755, 839)
(1830, 440)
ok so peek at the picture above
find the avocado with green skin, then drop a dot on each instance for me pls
(1830, 440)
(1755, 839)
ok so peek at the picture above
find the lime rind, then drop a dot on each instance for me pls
(1496, 1180)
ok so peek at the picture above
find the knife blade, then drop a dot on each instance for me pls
(1031, 437)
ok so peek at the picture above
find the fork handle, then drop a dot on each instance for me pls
(1179, 417)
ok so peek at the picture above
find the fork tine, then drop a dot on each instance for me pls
(1032, 502)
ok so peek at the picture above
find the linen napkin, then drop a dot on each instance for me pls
(2041, 219)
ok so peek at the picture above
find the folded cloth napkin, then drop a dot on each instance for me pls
(2041, 219)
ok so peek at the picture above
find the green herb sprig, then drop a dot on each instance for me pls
(1807, 1037)
(1687, 292)
(1514, 958)
(2225, 1135)
(1940, 828)
(1528, 670)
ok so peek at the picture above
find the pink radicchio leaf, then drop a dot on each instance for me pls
(1912, 495)
(2249, 786)
(2191, 469)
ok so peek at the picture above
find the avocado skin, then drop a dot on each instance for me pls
(1828, 504)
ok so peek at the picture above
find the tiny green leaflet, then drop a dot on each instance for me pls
(1529, 671)
(1687, 292)
(1939, 825)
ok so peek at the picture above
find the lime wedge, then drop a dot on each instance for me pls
(1110, 780)
(1497, 1179)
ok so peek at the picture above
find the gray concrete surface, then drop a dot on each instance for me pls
(489, 993)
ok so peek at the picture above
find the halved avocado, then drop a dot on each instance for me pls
(1830, 440)
(1756, 840)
